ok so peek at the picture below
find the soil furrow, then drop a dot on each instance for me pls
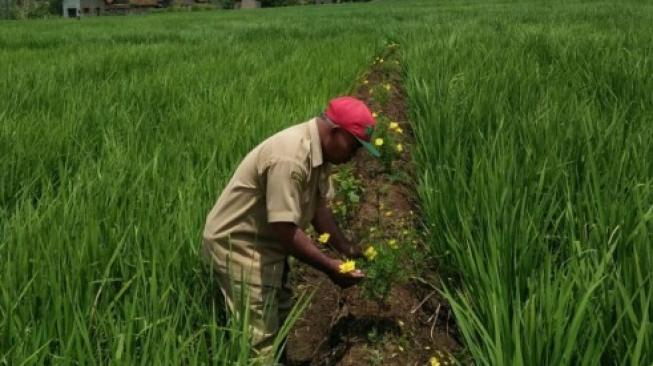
(414, 324)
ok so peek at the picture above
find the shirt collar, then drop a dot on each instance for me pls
(316, 145)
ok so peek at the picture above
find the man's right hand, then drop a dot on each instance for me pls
(344, 280)
(302, 247)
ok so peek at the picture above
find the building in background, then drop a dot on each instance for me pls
(78, 8)
(82, 8)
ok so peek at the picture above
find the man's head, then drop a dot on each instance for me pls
(347, 124)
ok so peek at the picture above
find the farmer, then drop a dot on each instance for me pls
(259, 219)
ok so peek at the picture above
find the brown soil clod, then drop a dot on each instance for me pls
(342, 327)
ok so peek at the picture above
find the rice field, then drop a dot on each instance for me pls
(537, 183)
(534, 129)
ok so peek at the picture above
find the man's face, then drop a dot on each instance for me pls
(343, 146)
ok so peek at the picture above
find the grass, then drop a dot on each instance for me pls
(535, 133)
(117, 135)
(533, 122)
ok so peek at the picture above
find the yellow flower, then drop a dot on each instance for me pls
(374, 114)
(399, 130)
(400, 148)
(387, 86)
(366, 81)
(434, 361)
(347, 266)
(393, 125)
(381, 61)
(324, 238)
(396, 62)
(378, 142)
(392, 243)
(370, 253)
(388, 213)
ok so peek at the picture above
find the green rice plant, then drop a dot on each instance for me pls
(533, 135)
(116, 136)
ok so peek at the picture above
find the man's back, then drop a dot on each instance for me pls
(283, 179)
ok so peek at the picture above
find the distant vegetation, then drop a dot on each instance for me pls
(25, 9)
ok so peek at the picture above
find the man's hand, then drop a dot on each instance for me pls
(324, 222)
(344, 280)
(302, 247)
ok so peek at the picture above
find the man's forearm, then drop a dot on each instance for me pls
(302, 247)
(325, 222)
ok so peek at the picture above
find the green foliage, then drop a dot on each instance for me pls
(24, 9)
(386, 140)
(269, 3)
(225, 4)
(380, 94)
(113, 149)
(390, 266)
(348, 194)
(55, 7)
(391, 67)
(534, 142)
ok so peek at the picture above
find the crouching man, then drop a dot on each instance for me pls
(278, 189)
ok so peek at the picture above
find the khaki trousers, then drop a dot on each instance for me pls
(268, 305)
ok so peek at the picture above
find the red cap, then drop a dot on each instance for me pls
(352, 115)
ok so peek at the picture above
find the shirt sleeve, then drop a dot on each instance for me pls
(285, 180)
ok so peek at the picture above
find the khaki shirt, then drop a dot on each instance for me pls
(284, 179)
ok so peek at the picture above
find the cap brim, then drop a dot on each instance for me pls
(369, 147)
